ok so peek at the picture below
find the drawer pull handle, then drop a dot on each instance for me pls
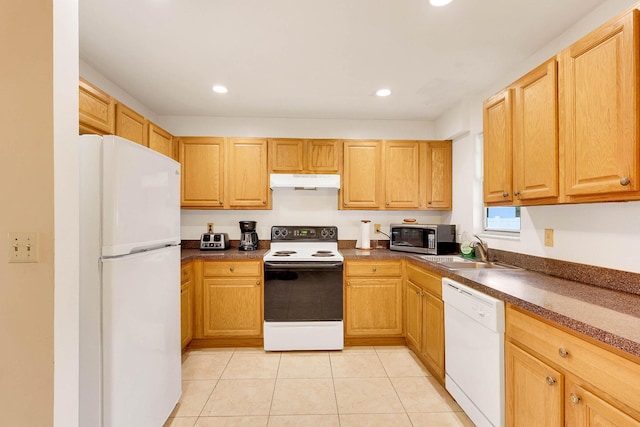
(575, 399)
(231, 269)
(551, 381)
(563, 353)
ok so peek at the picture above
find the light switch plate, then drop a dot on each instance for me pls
(23, 247)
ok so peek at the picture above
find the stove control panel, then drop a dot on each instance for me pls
(304, 233)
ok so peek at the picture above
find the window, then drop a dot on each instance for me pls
(503, 218)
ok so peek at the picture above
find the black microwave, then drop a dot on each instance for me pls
(438, 239)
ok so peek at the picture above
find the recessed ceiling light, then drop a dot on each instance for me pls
(383, 92)
(439, 3)
(220, 89)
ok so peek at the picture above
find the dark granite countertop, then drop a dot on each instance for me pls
(609, 315)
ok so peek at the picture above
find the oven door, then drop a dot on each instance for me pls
(303, 291)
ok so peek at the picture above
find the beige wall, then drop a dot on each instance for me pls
(26, 204)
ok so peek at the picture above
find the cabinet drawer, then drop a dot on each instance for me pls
(233, 269)
(373, 268)
(615, 375)
(186, 272)
(428, 281)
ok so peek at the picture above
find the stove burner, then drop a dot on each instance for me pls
(284, 253)
(323, 254)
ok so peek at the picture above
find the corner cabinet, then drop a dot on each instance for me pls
(373, 298)
(498, 145)
(424, 313)
(599, 80)
(247, 175)
(576, 381)
(187, 304)
(231, 303)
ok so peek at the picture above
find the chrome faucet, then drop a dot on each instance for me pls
(482, 248)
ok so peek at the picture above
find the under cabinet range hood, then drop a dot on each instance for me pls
(304, 181)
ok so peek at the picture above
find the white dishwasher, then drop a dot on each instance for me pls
(474, 352)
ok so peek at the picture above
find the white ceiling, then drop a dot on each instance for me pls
(314, 58)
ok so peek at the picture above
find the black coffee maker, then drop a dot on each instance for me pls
(248, 236)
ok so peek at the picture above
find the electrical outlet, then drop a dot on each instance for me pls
(209, 227)
(376, 228)
(23, 247)
(548, 237)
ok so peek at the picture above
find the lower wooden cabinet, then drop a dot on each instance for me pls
(555, 377)
(187, 302)
(231, 299)
(425, 318)
(373, 298)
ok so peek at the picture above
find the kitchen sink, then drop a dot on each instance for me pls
(459, 263)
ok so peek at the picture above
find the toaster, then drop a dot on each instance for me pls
(214, 241)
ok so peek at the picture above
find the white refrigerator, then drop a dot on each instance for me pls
(130, 355)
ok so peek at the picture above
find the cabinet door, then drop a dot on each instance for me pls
(362, 180)
(232, 307)
(599, 110)
(373, 307)
(438, 170)
(585, 409)
(97, 110)
(323, 155)
(413, 315)
(186, 313)
(202, 172)
(535, 141)
(286, 155)
(534, 390)
(497, 148)
(161, 141)
(401, 174)
(433, 332)
(247, 175)
(130, 125)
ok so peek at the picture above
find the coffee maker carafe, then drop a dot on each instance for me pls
(248, 236)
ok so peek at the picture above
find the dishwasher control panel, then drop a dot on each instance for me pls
(481, 307)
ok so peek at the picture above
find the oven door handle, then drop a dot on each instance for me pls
(302, 264)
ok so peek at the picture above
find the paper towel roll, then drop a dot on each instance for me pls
(364, 236)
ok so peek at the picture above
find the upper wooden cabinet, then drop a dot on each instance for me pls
(202, 160)
(498, 146)
(535, 135)
(521, 140)
(568, 131)
(599, 112)
(402, 183)
(362, 175)
(438, 170)
(131, 125)
(161, 141)
(97, 110)
(247, 174)
(288, 155)
(401, 175)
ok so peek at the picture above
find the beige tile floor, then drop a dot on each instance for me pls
(359, 386)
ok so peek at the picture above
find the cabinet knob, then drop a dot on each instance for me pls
(264, 202)
(221, 202)
(231, 269)
(257, 282)
(505, 194)
(516, 193)
(417, 292)
(575, 399)
(348, 283)
(387, 203)
(551, 380)
(429, 202)
(563, 352)
(374, 269)
(625, 181)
